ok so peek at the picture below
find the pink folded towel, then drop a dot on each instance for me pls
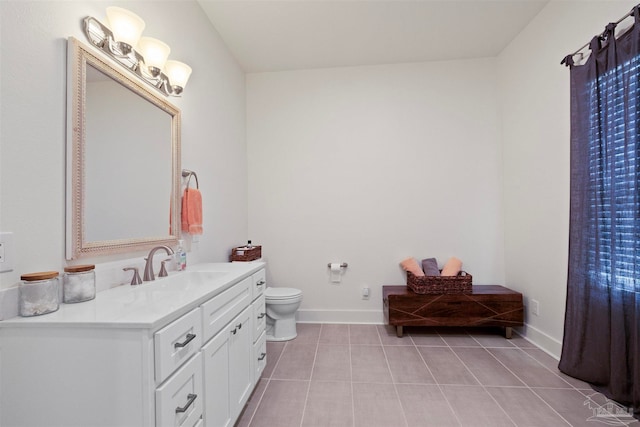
(192, 211)
(452, 267)
(410, 264)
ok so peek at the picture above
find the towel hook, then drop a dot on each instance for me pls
(189, 173)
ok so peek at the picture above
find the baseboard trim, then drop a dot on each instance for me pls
(547, 343)
(375, 317)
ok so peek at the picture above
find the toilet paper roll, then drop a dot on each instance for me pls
(336, 272)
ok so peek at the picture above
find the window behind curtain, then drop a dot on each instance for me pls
(614, 177)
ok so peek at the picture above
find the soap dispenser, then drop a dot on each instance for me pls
(181, 256)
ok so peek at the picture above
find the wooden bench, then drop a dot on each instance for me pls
(486, 305)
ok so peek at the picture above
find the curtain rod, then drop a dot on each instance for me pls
(602, 33)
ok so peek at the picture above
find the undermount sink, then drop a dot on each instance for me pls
(186, 280)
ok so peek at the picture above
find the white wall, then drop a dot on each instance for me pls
(535, 127)
(32, 129)
(370, 165)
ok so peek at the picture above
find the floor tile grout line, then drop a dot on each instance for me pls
(353, 400)
(539, 363)
(455, 414)
(273, 371)
(478, 380)
(547, 368)
(527, 385)
(533, 389)
(259, 401)
(437, 383)
(267, 385)
(395, 388)
(552, 408)
(313, 366)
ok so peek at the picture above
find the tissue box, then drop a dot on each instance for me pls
(246, 254)
(459, 284)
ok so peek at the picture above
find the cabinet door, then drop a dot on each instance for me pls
(216, 381)
(240, 366)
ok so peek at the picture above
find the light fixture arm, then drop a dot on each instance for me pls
(102, 37)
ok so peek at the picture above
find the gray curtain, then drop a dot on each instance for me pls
(601, 332)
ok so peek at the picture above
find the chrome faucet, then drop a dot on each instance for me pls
(148, 267)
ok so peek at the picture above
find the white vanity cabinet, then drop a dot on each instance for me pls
(175, 352)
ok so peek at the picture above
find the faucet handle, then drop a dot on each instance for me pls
(135, 280)
(163, 269)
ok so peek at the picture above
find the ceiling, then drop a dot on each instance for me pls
(276, 35)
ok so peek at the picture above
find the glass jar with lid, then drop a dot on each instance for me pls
(79, 283)
(38, 293)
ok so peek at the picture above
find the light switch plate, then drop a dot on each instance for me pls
(6, 252)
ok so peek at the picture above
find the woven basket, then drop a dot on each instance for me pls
(244, 254)
(459, 284)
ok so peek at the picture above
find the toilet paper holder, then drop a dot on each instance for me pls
(343, 265)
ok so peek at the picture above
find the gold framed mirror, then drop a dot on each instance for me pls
(123, 159)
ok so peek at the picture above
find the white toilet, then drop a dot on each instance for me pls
(282, 304)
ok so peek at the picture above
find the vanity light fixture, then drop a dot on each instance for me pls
(144, 56)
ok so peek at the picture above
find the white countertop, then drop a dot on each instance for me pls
(149, 305)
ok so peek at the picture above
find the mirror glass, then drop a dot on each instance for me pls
(123, 160)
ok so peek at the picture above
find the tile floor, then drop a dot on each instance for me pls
(363, 375)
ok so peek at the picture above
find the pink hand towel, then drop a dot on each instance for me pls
(192, 211)
(452, 267)
(410, 264)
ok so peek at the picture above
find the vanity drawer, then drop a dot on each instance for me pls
(219, 310)
(259, 357)
(259, 283)
(179, 401)
(259, 317)
(176, 343)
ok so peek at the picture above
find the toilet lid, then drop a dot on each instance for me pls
(282, 293)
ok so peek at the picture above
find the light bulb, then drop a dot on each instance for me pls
(155, 53)
(178, 73)
(125, 25)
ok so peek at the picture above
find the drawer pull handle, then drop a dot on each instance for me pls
(260, 283)
(239, 326)
(234, 331)
(190, 338)
(262, 315)
(262, 356)
(192, 398)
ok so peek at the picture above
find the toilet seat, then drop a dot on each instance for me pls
(279, 294)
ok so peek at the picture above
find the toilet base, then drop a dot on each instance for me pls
(281, 329)
(272, 338)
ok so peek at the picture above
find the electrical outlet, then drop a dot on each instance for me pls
(535, 307)
(365, 293)
(6, 249)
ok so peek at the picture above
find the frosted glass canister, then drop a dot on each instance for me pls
(79, 283)
(38, 293)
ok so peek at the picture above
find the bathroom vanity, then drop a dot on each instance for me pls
(185, 350)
